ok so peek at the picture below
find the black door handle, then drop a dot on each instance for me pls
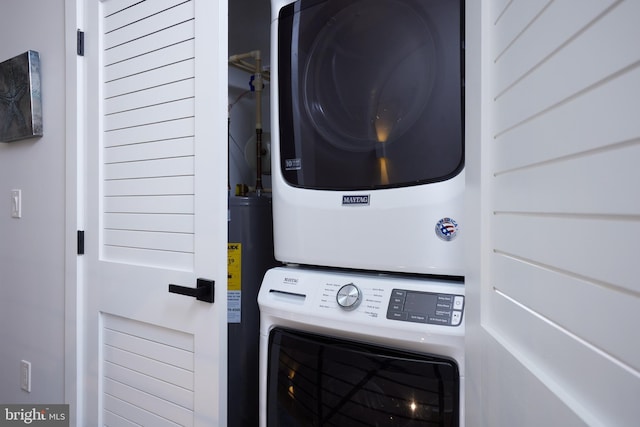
(202, 292)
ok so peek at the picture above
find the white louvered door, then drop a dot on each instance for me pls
(156, 214)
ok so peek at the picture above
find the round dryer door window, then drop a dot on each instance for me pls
(370, 93)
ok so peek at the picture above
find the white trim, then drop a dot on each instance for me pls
(477, 158)
(74, 214)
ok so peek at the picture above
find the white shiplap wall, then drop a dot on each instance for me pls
(555, 288)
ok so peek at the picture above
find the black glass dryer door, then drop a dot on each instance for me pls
(318, 381)
(370, 92)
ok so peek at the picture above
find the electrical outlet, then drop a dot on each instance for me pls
(25, 375)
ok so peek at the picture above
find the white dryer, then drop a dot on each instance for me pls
(367, 134)
(341, 349)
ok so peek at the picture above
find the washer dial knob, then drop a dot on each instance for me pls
(349, 297)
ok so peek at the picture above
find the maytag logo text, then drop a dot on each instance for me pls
(355, 200)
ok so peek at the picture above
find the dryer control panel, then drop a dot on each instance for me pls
(425, 307)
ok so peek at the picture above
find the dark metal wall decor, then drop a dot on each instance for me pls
(20, 97)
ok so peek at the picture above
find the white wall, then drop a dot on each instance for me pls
(32, 248)
(554, 142)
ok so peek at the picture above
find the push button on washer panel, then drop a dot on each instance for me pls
(458, 302)
(456, 317)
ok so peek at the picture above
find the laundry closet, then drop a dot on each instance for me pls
(361, 169)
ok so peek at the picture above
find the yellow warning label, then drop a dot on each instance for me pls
(234, 267)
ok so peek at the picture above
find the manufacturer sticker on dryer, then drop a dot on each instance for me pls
(447, 229)
(293, 164)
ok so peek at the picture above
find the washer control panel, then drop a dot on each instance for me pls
(366, 300)
(425, 307)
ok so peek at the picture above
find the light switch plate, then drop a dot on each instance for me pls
(16, 203)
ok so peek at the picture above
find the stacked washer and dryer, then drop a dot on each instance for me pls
(364, 324)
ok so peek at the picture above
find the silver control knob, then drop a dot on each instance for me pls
(349, 297)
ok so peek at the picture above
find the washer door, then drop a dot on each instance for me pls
(315, 380)
(370, 93)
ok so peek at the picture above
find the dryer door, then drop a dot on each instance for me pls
(320, 381)
(370, 93)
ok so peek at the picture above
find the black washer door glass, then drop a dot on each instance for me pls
(318, 381)
(370, 93)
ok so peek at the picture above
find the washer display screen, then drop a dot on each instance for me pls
(370, 93)
(420, 301)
